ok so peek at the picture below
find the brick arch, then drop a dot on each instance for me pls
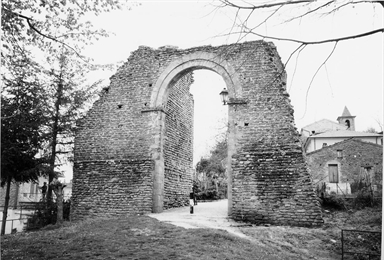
(198, 60)
(171, 74)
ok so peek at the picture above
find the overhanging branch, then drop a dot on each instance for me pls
(381, 30)
(29, 21)
(263, 6)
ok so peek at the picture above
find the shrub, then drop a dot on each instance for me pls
(209, 194)
(364, 198)
(333, 202)
(46, 214)
(358, 186)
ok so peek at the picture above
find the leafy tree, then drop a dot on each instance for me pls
(21, 118)
(57, 32)
(46, 92)
(44, 22)
(213, 167)
(67, 99)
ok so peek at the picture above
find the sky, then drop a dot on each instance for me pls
(352, 77)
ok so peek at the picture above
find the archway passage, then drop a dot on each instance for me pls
(124, 154)
(179, 145)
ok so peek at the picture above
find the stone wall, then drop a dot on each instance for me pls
(270, 179)
(354, 155)
(178, 145)
(112, 187)
(125, 160)
(122, 182)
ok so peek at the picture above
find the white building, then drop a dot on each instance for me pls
(326, 132)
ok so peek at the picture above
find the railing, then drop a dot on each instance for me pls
(35, 197)
(361, 242)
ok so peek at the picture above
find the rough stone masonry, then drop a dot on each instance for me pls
(133, 150)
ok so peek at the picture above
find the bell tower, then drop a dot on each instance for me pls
(347, 119)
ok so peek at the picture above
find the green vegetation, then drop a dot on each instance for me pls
(211, 178)
(141, 237)
(134, 237)
(46, 214)
(45, 86)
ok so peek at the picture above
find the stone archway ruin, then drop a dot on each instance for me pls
(133, 150)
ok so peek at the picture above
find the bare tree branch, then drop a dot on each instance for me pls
(350, 3)
(294, 71)
(266, 19)
(313, 77)
(302, 46)
(308, 7)
(381, 30)
(253, 7)
(309, 12)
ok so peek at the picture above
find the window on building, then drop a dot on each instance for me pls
(325, 144)
(339, 153)
(333, 172)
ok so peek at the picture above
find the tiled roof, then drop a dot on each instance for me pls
(333, 146)
(345, 133)
(324, 125)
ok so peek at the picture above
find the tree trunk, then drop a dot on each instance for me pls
(6, 203)
(16, 196)
(59, 201)
(55, 128)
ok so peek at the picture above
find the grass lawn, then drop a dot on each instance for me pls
(142, 237)
(133, 237)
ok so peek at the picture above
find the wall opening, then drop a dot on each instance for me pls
(171, 147)
(210, 136)
(195, 139)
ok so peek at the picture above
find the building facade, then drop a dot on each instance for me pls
(326, 132)
(23, 192)
(341, 166)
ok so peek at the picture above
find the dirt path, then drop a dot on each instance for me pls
(205, 215)
(292, 242)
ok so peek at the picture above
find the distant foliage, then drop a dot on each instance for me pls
(210, 194)
(371, 130)
(211, 183)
